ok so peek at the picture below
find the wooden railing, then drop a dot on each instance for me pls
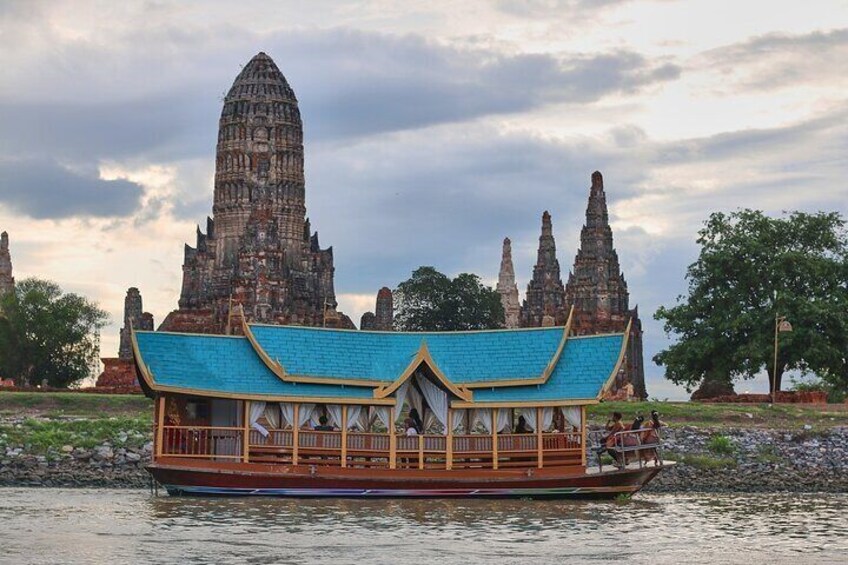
(370, 450)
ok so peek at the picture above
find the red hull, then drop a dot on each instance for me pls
(212, 478)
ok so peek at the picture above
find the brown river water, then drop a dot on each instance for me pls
(131, 526)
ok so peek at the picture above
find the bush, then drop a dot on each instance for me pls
(721, 445)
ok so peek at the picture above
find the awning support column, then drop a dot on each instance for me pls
(494, 438)
(392, 440)
(539, 446)
(344, 435)
(583, 427)
(295, 434)
(245, 456)
(160, 426)
(449, 446)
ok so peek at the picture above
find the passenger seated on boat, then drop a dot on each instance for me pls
(416, 421)
(409, 425)
(521, 427)
(651, 436)
(608, 441)
(322, 425)
(632, 440)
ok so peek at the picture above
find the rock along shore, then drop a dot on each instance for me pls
(709, 460)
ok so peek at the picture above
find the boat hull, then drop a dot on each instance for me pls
(311, 482)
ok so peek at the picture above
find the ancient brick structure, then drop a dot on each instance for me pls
(7, 281)
(507, 288)
(258, 250)
(545, 294)
(119, 372)
(598, 291)
(596, 288)
(135, 318)
(383, 316)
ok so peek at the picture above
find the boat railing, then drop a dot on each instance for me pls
(204, 442)
(629, 446)
(368, 450)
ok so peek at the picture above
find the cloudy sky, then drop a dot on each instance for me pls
(433, 130)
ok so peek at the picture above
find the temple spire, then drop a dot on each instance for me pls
(545, 293)
(7, 281)
(596, 283)
(507, 287)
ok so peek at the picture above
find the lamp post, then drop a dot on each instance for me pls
(780, 325)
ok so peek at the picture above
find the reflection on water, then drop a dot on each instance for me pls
(106, 526)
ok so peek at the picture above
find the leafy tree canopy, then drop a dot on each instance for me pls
(45, 334)
(431, 301)
(751, 269)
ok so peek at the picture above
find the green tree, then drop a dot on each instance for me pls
(751, 268)
(45, 334)
(431, 301)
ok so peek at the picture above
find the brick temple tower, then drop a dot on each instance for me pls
(7, 281)
(383, 316)
(545, 297)
(507, 288)
(258, 250)
(134, 317)
(598, 291)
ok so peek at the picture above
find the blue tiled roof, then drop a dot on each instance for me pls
(220, 364)
(464, 357)
(584, 366)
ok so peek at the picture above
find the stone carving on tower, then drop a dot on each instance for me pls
(507, 288)
(258, 250)
(383, 316)
(596, 288)
(7, 281)
(598, 291)
(544, 300)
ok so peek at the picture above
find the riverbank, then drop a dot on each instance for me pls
(66, 439)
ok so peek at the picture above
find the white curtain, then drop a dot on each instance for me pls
(384, 414)
(304, 414)
(530, 417)
(414, 399)
(482, 416)
(400, 396)
(335, 411)
(315, 417)
(272, 414)
(504, 420)
(287, 413)
(573, 415)
(436, 398)
(354, 417)
(256, 410)
(458, 420)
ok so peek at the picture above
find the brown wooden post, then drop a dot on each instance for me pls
(245, 457)
(160, 426)
(539, 442)
(449, 444)
(344, 435)
(421, 451)
(583, 428)
(295, 434)
(494, 438)
(392, 440)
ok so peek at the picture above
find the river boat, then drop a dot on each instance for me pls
(311, 412)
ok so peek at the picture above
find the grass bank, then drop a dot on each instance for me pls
(74, 405)
(781, 416)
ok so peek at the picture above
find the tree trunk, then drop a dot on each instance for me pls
(779, 379)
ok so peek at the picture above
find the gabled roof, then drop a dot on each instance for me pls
(226, 367)
(482, 368)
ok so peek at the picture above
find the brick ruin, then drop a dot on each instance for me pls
(383, 316)
(7, 281)
(258, 250)
(596, 288)
(507, 288)
(119, 372)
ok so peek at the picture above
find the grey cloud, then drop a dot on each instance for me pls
(42, 189)
(780, 60)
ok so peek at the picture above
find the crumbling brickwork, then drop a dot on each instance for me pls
(7, 281)
(258, 250)
(507, 288)
(382, 319)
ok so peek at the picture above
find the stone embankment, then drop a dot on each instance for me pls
(753, 460)
(709, 460)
